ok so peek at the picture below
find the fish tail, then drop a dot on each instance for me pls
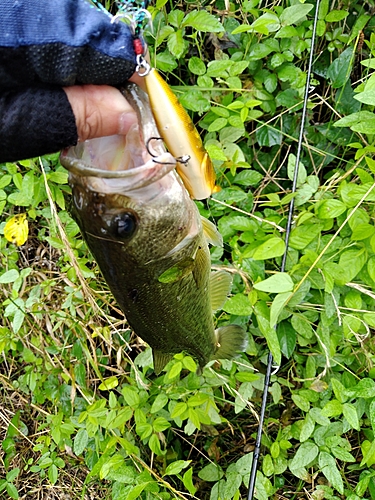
(230, 341)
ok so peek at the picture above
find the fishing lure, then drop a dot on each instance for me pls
(174, 124)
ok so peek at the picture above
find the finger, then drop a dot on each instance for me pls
(100, 110)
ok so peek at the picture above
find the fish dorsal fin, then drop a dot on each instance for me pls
(230, 341)
(211, 233)
(220, 286)
(160, 360)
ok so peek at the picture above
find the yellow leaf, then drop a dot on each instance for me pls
(16, 229)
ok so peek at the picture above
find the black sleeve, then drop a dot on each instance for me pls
(35, 121)
(44, 45)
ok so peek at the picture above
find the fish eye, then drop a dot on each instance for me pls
(125, 225)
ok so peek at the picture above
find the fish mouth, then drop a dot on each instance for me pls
(136, 157)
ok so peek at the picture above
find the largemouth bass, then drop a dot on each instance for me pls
(149, 241)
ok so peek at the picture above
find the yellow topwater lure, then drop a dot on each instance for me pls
(181, 137)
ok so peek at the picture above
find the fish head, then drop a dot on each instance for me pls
(126, 196)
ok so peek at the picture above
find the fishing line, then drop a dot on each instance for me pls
(267, 378)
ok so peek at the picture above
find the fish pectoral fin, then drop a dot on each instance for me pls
(177, 271)
(201, 262)
(230, 341)
(220, 286)
(160, 360)
(211, 233)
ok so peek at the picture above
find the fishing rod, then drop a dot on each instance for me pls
(267, 378)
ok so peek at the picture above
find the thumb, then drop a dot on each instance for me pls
(100, 110)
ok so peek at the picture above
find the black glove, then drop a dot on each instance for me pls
(45, 45)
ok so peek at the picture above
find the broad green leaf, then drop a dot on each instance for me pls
(277, 283)
(302, 175)
(176, 43)
(211, 472)
(12, 474)
(332, 408)
(339, 70)
(277, 307)
(352, 261)
(176, 467)
(271, 338)
(364, 389)
(202, 21)
(108, 384)
(336, 15)
(160, 401)
(350, 413)
(196, 66)
(9, 276)
(307, 428)
(354, 119)
(53, 473)
(367, 97)
(239, 305)
(273, 247)
(305, 455)
(362, 231)
(80, 441)
(175, 370)
(330, 209)
(12, 491)
(287, 338)
(293, 14)
(187, 479)
(179, 409)
(329, 468)
(136, 491)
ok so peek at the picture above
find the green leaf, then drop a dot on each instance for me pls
(273, 247)
(354, 119)
(202, 21)
(307, 428)
(108, 384)
(175, 370)
(267, 136)
(330, 209)
(277, 283)
(211, 473)
(160, 401)
(336, 15)
(196, 66)
(176, 43)
(238, 305)
(12, 491)
(293, 14)
(305, 455)
(160, 424)
(9, 276)
(53, 474)
(287, 338)
(339, 70)
(367, 97)
(364, 389)
(187, 479)
(80, 441)
(12, 474)
(350, 413)
(131, 396)
(353, 261)
(271, 338)
(277, 307)
(328, 466)
(136, 491)
(217, 124)
(179, 409)
(176, 467)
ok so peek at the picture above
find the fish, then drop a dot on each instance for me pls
(181, 137)
(150, 242)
